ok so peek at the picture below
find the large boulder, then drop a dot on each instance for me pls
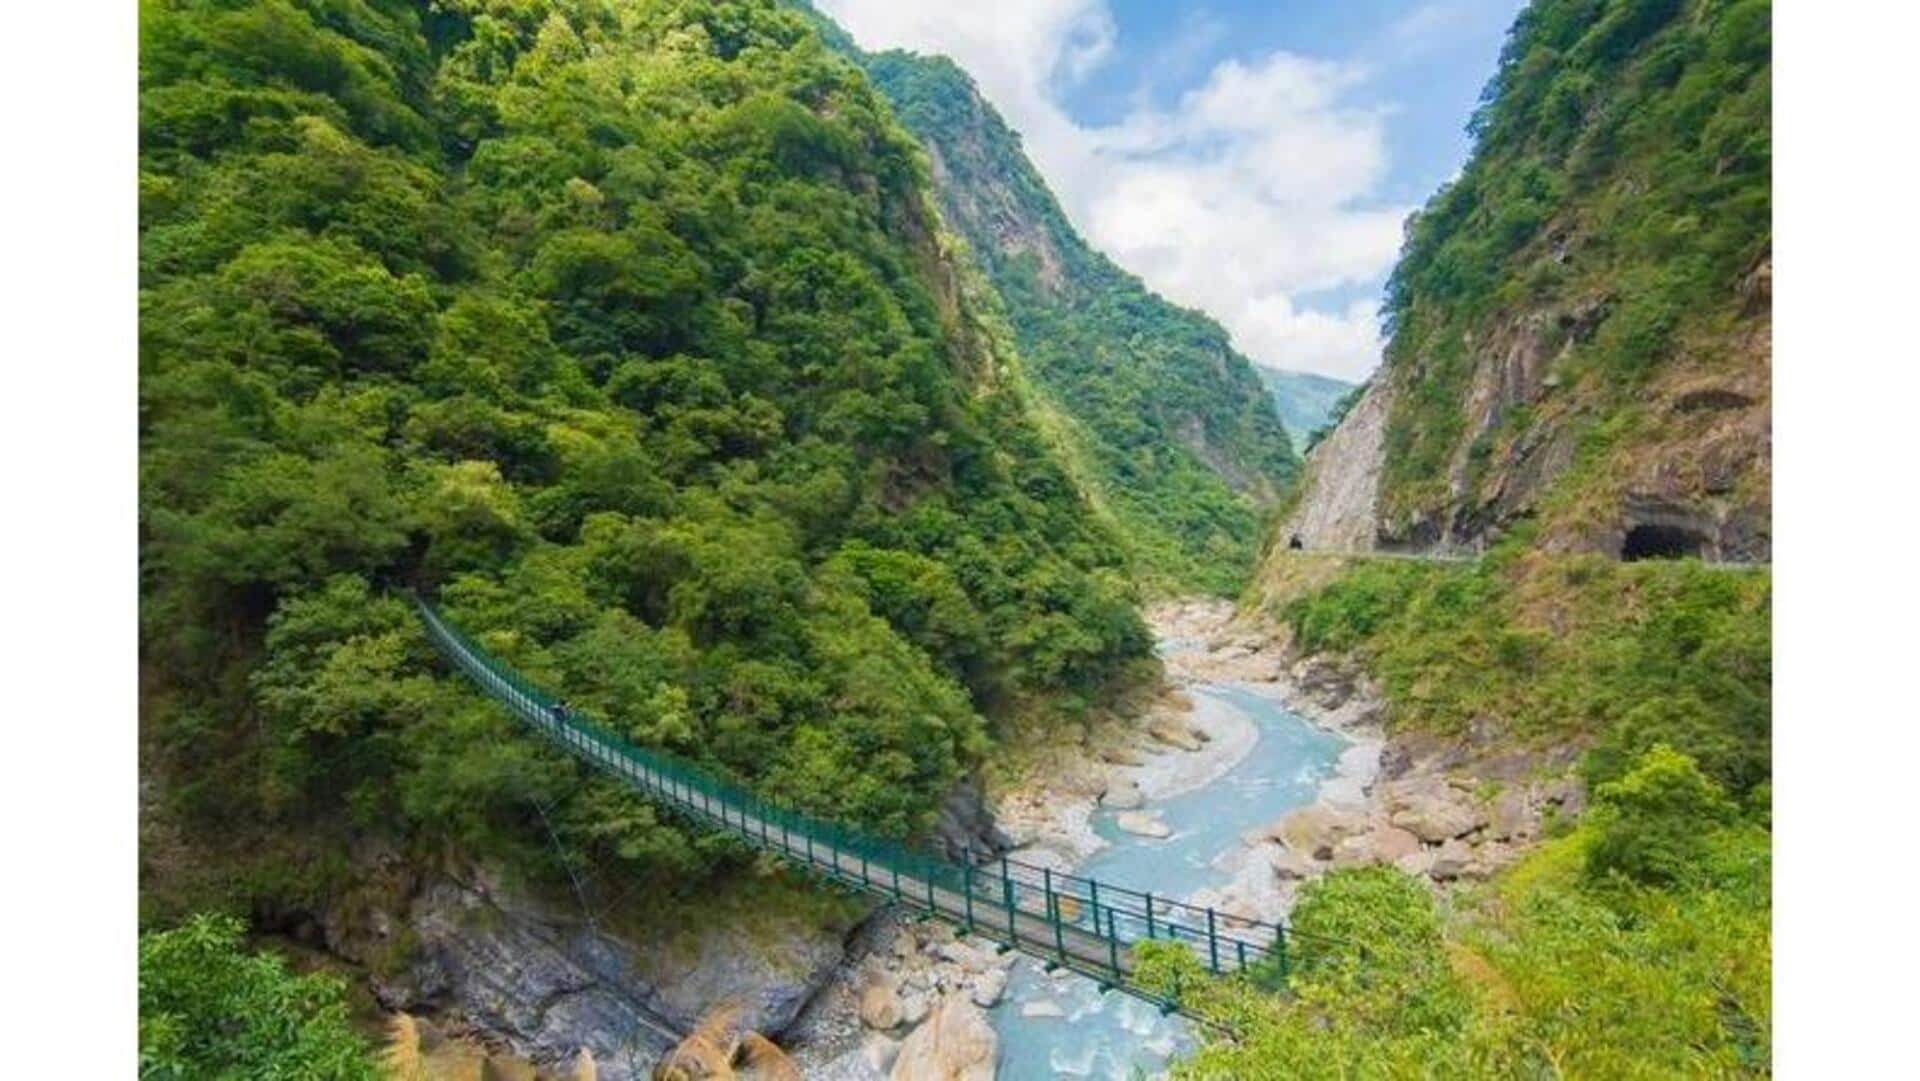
(1432, 810)
(1512, 816)
(954, 1044)
(880, 1004)
(1451, 861)
(988, 988)
(1288, 865)
(1315, 830)
(1123, 795)
(1142, 824)
(1381, 844)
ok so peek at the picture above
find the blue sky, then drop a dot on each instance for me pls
(1251, 158)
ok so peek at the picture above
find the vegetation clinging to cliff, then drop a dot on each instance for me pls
(1182, 442)
(620, 327)
(1622, 157)
(1619, 657)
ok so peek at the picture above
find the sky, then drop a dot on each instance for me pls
(1255, 159)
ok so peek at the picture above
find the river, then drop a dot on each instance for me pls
(1060, 1025)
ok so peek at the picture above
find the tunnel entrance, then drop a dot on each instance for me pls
(1661, 542)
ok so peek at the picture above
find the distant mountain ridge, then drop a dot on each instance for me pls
(1304, 400)
(1170, 429)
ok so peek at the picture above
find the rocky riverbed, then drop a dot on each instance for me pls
(889, 997)
(1432, 808)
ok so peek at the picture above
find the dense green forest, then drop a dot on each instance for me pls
(623, 329)
(1169, 425)
(1622, 168)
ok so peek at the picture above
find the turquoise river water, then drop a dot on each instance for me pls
(1060, 1025)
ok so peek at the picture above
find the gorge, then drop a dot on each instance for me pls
(752, 393)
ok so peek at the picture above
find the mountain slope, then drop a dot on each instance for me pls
(1582, 322)
(1173, 430)
(624, 329)
(1306, 402)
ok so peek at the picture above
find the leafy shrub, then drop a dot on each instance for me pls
(1651, 825)
(211, 1009)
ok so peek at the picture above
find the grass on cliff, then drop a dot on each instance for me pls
(1536, 647)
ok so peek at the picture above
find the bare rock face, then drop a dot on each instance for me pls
(548, 983)
(966, 827)
(1340, 484)
(954, 1044)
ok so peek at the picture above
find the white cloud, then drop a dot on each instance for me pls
(1252, 189)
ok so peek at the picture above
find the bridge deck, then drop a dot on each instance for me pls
(1079, 923)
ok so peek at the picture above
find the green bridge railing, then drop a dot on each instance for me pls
(1066, 920)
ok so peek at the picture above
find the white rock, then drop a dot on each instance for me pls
(988, 988)
(1042, 1007)
(1142, 824)
(913, 1008)
(1122, 795)
(879, 1051)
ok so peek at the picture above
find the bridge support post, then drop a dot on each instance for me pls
(1053, 912)
(966, 888)
(1093, 902)
(1213, 943)
(1113, 945)
(1013, 914)
(1149, 916)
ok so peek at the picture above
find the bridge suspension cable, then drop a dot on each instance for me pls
(1064, 920)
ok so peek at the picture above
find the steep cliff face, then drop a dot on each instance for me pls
(1583, 321)
(1171, 428)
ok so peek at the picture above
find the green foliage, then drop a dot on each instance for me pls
(211, 1009)
(1623, 156)
(1369, 944)
(1543, 973)
(618, 326)
(1651, 825)
(1172, 426)
(1621, 656)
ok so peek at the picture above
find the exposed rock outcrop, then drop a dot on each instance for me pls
(539, 977)
(1340, 482)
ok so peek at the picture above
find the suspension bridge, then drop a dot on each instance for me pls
(1063, 920)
